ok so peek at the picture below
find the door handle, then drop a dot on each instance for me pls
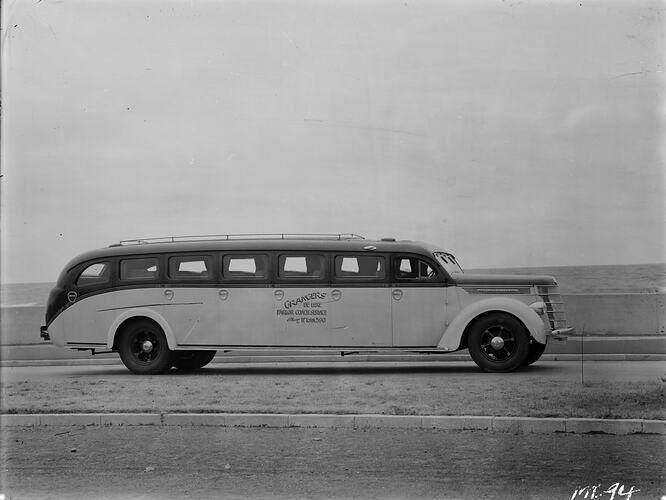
(278, 294)
(397, 294)
(168, 294)
(224, 294)
(336, 294)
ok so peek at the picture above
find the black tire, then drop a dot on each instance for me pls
(535, 352)
(498, 342)
(192, 360)
(143, 348)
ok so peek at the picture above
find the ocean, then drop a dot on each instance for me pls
(634, 278)
(638, 278)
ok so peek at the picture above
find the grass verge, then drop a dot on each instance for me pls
(411, 390)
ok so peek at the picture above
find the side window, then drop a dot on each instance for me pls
(138, 269)
(239, 267)
(310, 267)
(189, 267)
(365, 267)
(412, 268)
(95, 274)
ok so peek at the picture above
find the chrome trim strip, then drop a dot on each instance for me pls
(498, 290)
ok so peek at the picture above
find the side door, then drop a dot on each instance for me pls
(245, 300)
(361, 301)
(302, 299)
(418, 301)
(189, 289)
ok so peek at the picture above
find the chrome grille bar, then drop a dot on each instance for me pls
(550, 295)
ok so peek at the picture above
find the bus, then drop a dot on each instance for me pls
(172, 302)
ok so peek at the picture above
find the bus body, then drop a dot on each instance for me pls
(175, 302)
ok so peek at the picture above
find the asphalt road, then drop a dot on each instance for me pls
(205, 462)
(573, 371)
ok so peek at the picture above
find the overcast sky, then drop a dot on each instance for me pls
(510, 133)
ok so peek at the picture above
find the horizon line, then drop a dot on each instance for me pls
(466, 268)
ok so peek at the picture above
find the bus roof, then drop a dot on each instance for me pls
(255, 245)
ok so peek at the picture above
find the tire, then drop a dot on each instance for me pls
(535, 352)
(143, 348)
(498, 342)
(192, 360)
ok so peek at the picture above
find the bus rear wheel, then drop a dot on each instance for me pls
(498, 342)
(192, 360)
(143, 348)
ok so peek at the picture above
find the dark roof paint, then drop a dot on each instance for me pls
(309, 245)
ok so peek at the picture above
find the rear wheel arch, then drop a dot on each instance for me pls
(122, 327)
(143, 347)
(123, 321)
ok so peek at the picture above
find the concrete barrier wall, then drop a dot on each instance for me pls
(595, 314)
(20, 325)
(617, 314)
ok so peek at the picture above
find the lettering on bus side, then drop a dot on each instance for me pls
(307, 310)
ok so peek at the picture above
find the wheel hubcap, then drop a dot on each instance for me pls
(497, 343)
(146, 347)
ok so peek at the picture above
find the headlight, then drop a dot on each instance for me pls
(539, 307)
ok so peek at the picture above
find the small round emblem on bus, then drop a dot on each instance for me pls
(72, 296)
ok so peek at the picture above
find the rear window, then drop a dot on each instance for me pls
(94, 274)
(138, 269)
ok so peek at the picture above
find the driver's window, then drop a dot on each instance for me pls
(412, 268)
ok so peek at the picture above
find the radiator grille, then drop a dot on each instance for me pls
(550, 295)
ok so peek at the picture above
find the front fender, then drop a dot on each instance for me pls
(137, 313)
(450, 340)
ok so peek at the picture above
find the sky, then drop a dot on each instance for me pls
(513, 134)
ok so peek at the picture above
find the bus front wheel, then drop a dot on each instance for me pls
(192, 360)
(498, 342)
(143, 348)
(535, 352)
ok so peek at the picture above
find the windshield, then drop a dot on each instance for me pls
(449, 263)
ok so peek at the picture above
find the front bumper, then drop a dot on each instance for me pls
(561, 334)
(44, 333)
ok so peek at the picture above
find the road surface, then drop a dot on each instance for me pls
(205, 462)
(573, 371)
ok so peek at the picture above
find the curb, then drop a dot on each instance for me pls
(333, 359)
(513, 425)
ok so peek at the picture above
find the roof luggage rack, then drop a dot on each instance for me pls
(227, 237)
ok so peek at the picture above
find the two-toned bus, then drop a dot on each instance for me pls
(174, 302)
